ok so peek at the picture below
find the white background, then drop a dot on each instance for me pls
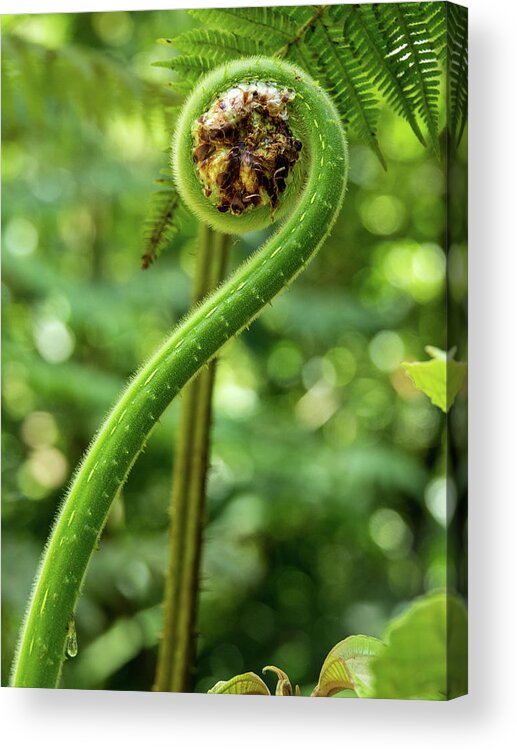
(486, 718)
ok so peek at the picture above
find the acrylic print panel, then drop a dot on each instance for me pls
(297, 521)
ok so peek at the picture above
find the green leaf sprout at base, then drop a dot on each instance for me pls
(441, 378)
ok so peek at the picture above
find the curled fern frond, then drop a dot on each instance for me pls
(361, 54)
(314, 198)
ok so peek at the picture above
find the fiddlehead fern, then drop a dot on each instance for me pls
(313, 192)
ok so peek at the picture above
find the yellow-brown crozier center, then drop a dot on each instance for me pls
(244, 149)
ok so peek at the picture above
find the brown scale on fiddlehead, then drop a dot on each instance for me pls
(244, 149)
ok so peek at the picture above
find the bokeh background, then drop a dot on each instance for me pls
(327, 504)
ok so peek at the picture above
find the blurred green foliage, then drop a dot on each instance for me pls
(326, 497)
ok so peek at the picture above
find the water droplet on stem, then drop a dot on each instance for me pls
(71, 640)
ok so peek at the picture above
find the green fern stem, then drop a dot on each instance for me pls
(314, 197)
(188, 492)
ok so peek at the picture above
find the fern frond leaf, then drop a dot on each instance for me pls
(412, 51)
(221, 45)
(307, 18)
(435, 16)
(268, 25)
(299, 14)
(161, 224)
(348, 84)
(191, 66)
(457, 70)
(367, 45)
(301, 55)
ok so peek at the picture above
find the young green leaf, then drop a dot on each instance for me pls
(348, 666)
(283, 686)
(426, 652)
(242, 684)
(441, 378)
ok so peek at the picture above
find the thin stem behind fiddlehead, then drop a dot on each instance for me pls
(188, 492)
(315, 122)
